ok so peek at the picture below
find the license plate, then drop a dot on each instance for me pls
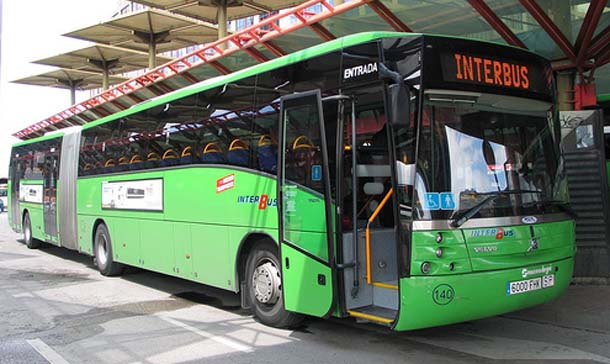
(529, 285)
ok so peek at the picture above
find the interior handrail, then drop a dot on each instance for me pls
(367, 234)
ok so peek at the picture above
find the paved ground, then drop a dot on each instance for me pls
(54, 307)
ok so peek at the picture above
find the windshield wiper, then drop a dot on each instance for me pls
(461, 217)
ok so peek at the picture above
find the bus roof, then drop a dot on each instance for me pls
(253, 70)
(292, 58)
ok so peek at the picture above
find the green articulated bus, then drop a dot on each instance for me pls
(404, 179)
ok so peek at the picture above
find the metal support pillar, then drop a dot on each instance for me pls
(565, 90)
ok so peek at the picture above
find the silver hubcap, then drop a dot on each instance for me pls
(102, 249)
(27, 234)
(267, 284)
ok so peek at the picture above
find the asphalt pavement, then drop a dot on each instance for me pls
(56, 308)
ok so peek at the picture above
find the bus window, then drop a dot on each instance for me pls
(303, 143)
(373, 171)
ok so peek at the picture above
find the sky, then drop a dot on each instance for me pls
(32, 30)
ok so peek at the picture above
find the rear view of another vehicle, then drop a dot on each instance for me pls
(3, 195)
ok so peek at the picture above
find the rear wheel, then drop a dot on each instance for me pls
(264, 287)
(29, 241)
(102, 246)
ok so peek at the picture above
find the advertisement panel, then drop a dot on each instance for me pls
(30, 193)
(133, 195)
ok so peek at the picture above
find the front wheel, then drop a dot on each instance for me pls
(29, 241)
(102, 246)
(264, 288)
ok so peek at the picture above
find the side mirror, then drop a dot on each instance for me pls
(401, 105)
(488, 154)
(400, 99)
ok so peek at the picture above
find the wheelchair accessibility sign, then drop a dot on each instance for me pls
(439, 201)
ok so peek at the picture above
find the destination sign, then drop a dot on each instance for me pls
(462, 67)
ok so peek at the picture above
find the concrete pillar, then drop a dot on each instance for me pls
(560, 12)
(222, 22)
(565, 91)
(152, 53)
(105, 80)
(72, 94)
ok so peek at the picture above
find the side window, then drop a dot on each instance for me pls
(236, 105)
(98, 152)
(16, 172)
(37, 152)
(216, 126)
(175, 132)
(29, 162)
(269, 88)
(228, 134)
(20, 162)
(303, 143)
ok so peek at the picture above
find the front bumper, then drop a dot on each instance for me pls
(442, 300)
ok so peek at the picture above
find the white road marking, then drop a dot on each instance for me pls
(46, 352)
(219, 339)
(24, 294)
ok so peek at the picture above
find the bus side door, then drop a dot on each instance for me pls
(305, 218)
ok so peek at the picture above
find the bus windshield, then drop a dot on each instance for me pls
(486, 155)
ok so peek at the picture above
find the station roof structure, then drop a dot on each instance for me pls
(207, 10)
(102, 59)
(71, 79)
(65, 78)
(151, 30)
(574, 34)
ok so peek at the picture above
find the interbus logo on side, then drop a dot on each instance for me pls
(263, 201)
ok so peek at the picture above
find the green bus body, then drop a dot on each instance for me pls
(182, 216)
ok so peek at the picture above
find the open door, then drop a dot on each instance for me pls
(305, 218)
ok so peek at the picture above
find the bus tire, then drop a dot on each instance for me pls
(102, 250)
(263, 285)
(28, 239)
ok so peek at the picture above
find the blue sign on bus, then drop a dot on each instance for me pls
(316, 172)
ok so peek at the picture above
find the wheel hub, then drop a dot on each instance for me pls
(101, 250)
(26, 231)
(267, 283)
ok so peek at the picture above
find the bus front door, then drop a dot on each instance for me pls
(305, 218)
(50, 173)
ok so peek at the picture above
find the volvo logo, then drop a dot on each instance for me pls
(529, 219)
